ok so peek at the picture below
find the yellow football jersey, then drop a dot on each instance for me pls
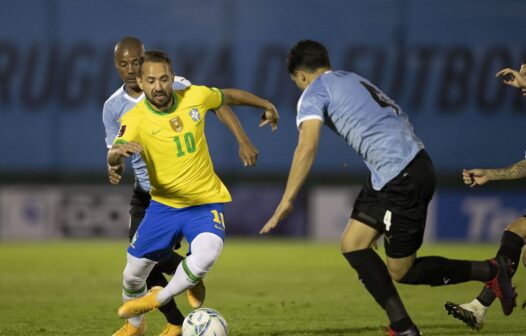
(175, 148)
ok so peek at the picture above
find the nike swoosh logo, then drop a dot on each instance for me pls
(155, 132)
(446, 280)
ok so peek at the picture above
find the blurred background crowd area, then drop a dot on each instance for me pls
(436, 58)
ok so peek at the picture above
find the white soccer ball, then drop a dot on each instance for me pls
(205, 322)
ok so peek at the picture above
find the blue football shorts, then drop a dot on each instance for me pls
(163, 226)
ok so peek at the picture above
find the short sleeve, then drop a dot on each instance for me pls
(128, 130)
(111, 124)
(213, 98)
(312, 104)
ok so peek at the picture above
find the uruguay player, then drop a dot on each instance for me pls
(393, 201)
(167, 128)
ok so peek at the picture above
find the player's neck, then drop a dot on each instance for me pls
(311, 76)
(131, 92)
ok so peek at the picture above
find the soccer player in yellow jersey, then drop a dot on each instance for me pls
(167, 129)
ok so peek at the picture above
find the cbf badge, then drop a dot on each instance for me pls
(194, 114)
(176, 124)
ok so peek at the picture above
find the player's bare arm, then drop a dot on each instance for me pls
(474, 177)
(240, 97)
(248, 153)
(116, 156)
(309, 136)
(513, 77)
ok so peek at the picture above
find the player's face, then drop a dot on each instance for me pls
(156, 82)
(299, 78)
(127, 64)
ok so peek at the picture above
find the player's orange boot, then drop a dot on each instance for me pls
(141, 305)
(130, 330)
(172, 330)
(196, 295)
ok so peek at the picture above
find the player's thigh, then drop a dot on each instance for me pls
(406, 199)
(365, 224)
(157, 233)
(204, 218)
(518, 227)
(357, 236)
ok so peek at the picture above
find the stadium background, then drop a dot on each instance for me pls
(437, 59)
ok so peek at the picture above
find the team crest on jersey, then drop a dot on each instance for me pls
(176, 124)
(194, 113)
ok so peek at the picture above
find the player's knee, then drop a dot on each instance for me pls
(518, 227)
(136, 272)
(132, 280)
(206, 248)
(398, 274)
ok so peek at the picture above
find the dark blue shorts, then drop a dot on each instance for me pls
(163, 226)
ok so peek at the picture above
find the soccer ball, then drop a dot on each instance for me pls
(205, 322)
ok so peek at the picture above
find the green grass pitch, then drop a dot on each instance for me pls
(261, 286)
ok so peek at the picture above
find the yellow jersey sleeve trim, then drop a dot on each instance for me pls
(221, 97)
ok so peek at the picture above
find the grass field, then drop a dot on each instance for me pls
(262, 287)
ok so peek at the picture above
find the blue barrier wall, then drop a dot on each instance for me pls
(437, 58)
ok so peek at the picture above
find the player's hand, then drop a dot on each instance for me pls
(248, 154)
(128, 149)
(474, 177)
(513, 77)
(282, 211)
(115, 173)
(270, 116)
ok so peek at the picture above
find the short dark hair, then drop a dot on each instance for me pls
(154, 56)
(308, 55)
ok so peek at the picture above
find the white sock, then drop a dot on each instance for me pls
(134, 282)
(206, 248)
(479, 305)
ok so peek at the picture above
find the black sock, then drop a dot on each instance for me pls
(438, 271)
(169, 264)
(510, 246)
(374, 275)
(171, 312)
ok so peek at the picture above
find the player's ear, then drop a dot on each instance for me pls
(139, 82)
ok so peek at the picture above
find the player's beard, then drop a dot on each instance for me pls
(160, 99)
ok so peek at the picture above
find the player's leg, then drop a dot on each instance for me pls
(362, 230)
(355, 246)
(134, 286)
(153, 240)
(195, 295)
(139, 203)
(406, 198)
(473, 313)
(205, 231)
(202, 226)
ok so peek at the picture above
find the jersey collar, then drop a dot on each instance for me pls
(173, 108)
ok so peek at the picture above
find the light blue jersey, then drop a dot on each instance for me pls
(114, 108)
(371, 123)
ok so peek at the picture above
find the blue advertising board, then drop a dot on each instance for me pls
(436, 58)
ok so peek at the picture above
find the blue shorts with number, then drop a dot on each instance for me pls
(163, 226)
